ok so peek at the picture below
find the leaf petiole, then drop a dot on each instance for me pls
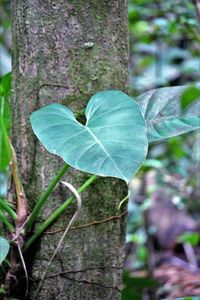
(5, 206)
(57, 213)
(42, 200)
(6, 222)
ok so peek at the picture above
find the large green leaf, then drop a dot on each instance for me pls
(5, 152)
(5, 90)
(4, 248)
(162, 111)
(112, 143)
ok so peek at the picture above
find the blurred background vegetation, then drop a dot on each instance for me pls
(164, 51)
(164, 43)
(163, 227)
(5, 37)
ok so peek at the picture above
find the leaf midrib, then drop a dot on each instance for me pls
(104, 150)
(162, 119)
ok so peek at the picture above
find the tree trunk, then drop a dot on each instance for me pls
(65, 51)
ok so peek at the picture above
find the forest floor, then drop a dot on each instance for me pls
(177, 281)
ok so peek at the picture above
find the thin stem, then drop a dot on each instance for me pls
(42, 200)
(57, 213)
(122, 202)
(24, 267)
(6, 222)
(5, 206)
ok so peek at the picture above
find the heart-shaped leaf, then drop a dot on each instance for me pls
(112, 143)
(4, 248)
(162, 111)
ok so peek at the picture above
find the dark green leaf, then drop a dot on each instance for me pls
(112, 143)
(188, 298)
(139, 282)
(130, 293)
(162, 111)
(134, 286)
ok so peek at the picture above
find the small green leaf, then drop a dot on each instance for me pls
(190, 237)
(162, 111)
(112, 143)
(142, 253)
(153, 163)
(2, 291)
(190, 94)
(4, 248)
(188, 298)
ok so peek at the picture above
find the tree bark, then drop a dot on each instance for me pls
(65, 51)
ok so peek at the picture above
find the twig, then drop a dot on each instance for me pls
(20, 219)
(24, 267)
(189, 251)
(176, 261)
(78, 271)
(93, 283)
(90, 224)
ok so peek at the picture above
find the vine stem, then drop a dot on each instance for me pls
(79, 202)
(22, 206)
(5, 220)
(42, 200)
(57, 213)
(5, 206)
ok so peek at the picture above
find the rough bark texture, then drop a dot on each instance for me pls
(65, 51)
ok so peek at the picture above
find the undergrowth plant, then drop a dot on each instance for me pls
(113, 142)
